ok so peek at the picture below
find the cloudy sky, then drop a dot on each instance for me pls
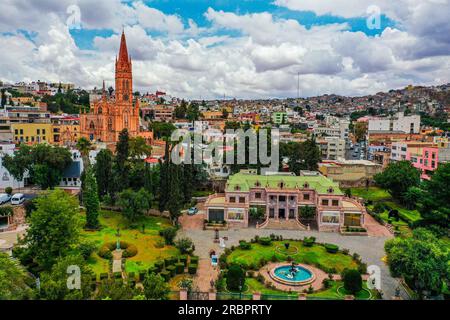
(244, 49)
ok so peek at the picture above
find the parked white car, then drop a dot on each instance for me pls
(4, 198)
(17, 199)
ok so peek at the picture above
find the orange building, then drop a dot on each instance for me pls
(110, 115)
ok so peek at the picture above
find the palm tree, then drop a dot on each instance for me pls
(84, 146)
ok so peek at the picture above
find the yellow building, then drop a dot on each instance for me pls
(32, 133)
(23, 101)
(65, 130)
(211, 115)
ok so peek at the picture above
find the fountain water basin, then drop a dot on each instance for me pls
(292, 275)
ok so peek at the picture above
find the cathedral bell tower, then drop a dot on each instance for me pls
(124, 77)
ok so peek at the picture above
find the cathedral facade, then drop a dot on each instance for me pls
(108, 116)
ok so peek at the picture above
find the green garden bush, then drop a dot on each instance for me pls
(331, 248)
(103, 276)
(192, 269)
(244, 245)
(235, 277)
(309, 241)
(104, 252)
(142, 275)
(352, 281)
(131, 276)
(153, 269)
(265, 241)
(183, 259)
(166, 275)
(179, 267)
(130, 251)
(117, 275)
(159, 265)
(172, 270)
(194, 260)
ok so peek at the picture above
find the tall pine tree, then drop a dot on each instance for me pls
(90, 199)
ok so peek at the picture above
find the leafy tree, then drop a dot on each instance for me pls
(435, 201)
(103, 172)
(184, 245)
(169, 235)
(162, 130)
(155, 287)
(115, 290)
(193, 112)
(352, 281)
(90, 200)
(397, 178)
(307, 212)
(54, 283)
(134, 204)
(360, 131)
(181, 110)
(412, 196)
(422, 260)
(18, 164)
(139, 148)
(235, 278)
(48, 164)
(14, 282)
(225, 113)
(53, 228)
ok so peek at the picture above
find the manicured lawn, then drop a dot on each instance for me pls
(405, 214)
(330, 293)
(148, 253)
(374, 193)
(315, 255)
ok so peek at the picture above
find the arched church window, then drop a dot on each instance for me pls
(110, 126)
(92, 125)
(100, 110)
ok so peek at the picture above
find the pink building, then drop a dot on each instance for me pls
(424, 158)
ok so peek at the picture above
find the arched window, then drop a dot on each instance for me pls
(330, 190)
(92, 125)
(237, 188)
(100, 110)
(110, 126)
(306, 185)
(257, 184)
(281, 185)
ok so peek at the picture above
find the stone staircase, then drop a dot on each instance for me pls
(283, 224)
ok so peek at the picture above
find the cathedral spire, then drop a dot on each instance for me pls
(123, 53)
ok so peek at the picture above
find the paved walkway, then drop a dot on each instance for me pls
(205, 273)
(117, 261)
(375, 229)
(371, 249)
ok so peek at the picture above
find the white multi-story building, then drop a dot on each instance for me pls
(399, 151)
(399, 123)
(6, 179)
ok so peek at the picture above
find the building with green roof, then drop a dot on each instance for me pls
(281, 198)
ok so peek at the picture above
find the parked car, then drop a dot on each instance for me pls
(192, 211)
(4, 198)
(17, 199)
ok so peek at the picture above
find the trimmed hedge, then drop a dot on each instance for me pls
(192, 269)
(179, 267)
(141, 275)
(103, 276)
(193, 260)
(244, 245)
(309, 242)
(130, 251)
(159, 265)
(183, 260)
(117, 275)
(154, 270)
(165, 274)
(172, 270)
(265, 241)
(331, 248)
